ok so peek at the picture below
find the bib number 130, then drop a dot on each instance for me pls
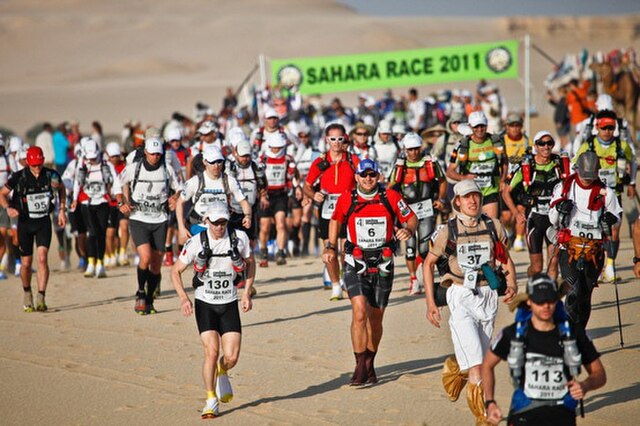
(219, 284)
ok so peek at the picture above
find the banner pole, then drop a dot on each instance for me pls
(527, 78)
(263, 71)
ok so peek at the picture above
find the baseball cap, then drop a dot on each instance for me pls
(477, 118)
(275, 140)
(270, 113)
(384, 127)
(542, 288)
(172, 134)
(152, 146)
(207, 127)
(412, 140)
(398, 128)
(113, 149)
(212, 153)
(90, 149)
(218, 210)
(588, 165)
(367, 164)
(465, 187)
(243, 148)
(35, 157)
(514, 118)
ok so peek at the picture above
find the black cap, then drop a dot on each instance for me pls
(588, 164)
(542, 288)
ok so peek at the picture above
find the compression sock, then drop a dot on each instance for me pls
(143, 275)
(615, 247)
(306, 232)
(152, 284)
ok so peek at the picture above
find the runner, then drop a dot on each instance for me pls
(305, 156)
(271, 127)
(118, 224)
(361, 134)
(335, 172)
(636, 248)
(221, 257)
(544, 351)
(78, 227)
(617, 160)
(482, 159)
(387, 150)
(471, 245)
(531, 188)
(421, 182)
(208, 132)
(583, 210)
(145, 195)
(35, 189)
(369, 214)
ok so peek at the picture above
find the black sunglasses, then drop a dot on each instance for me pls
(367, 174)
(610, 128)
(215, 162)
(545, 143)
(220, 222)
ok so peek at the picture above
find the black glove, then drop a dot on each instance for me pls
(564, 207)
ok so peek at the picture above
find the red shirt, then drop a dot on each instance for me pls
(338, 178)
(370, 225)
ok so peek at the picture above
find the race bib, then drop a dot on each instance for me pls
(206, 200)
(544, 377)
(485, 172)
(218, 286)
(371, 232)
(276, 174)
(95, 189)
(329, 205)
(473, 255)
(149, 204)
(38, 204)
(249, 191)
(589, 230)
(423, 209)
(608, 176)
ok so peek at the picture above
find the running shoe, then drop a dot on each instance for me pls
(223, 385)
(82, 263)
(141, 304)
(518, 244)
(609, 272)
(168, 259)
(18, 268)
(150, 310)
(280, 258)
(27, 302)
(90, 271)
(101, 272)
(336, 293)
(40, 305)
(123, 259)
(415, 287)
(210, 409)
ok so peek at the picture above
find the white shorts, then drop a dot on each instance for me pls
(471, 322)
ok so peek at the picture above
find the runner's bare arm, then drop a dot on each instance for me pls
(494, 415)
(597, 378)
(433, 313)
(330, 250)
(176, 277)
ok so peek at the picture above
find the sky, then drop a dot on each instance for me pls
(488, 8)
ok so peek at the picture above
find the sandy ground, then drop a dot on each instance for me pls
(92, 360)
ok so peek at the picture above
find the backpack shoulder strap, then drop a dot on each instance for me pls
(136, 175)
(352, 207)
(385, 202)
(204, 239)
(200, 189)
(452, 226)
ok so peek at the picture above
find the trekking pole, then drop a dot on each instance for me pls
(615, 286)
(582, 408)
(545, 55)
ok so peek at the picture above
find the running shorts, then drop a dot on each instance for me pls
(77, 222)
(375, 288)
(33, 229)
(4, 219)
(278, 202)
(221, 318)
(323, 229)
(235, 221)
(154, 234)
(537, 226)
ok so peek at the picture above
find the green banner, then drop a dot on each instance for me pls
(382, 70)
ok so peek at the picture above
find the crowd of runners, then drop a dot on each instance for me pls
(450, 180)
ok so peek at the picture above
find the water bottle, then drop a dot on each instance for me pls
(319, 204)
(572, 357)
(199, 266)
(526, 171)
(386, 262)
(565, 163)
(400, 164)
(515, 359)
(237, 261)
(428, 167)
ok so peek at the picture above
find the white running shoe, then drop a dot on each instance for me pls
(18, 268)
(210, 409)
(223, 386)
(519, 245)
(336, 293)
(90, 271)
(136, 260)
(101, 272)
(123, 259)
(416, 287)
(608, 273)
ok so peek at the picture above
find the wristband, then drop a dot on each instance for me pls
(329, 246)
(488, 402)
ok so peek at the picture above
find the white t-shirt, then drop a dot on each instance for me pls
(95, 186)
(213, 191)
(218, 288)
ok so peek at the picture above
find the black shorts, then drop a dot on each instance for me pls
(148, 233)
(173, 219)
(235, 221)
(77, 222)
(493, 198)
(552, 416)
(323, 229)
(537, 226)
(278, 202)
(114, 217)
(220, 318)
(294, 203)
(33, 229)
(374, 287)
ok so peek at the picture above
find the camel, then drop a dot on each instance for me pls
(624, 90)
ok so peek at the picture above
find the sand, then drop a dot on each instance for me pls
(91, 360)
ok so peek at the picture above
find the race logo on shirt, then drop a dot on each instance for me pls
(404, 208)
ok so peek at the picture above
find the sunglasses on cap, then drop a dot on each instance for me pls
(369, 173)
(335, 138)
(221, 222)
(214, 163)
(609, 128)
(361, 134)
(545, 142)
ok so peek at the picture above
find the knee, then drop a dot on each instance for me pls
(42, 259)
(27, 262)
(359, 316)
(211, 353)
(231, 360)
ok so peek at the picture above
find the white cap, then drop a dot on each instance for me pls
(303, 128)
(604, 102)
(477, 118)
(275, 140)
(90, 149)
(218, 210)
(384, 127)
(412, 140)
(212, 153)
(15, 143)
(465, 187)
(398, 128)
(464, 129)
(235, 135)
(113, 149)
(541, 134)
(153, 146)
(243, 148)
(207, 127)
(270, 113)
(173, 133)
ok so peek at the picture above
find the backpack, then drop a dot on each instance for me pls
(225, 184)
(233, 250)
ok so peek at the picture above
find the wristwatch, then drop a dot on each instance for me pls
(329, 246)
(636, 260)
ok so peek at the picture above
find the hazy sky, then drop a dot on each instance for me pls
(493, 7)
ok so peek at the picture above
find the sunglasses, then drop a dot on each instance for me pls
(609, 128)
(216, 163)
(545, 143)
(335, 138)
(413, 149)
(361, 134)
(370, 174)
(220, 222)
